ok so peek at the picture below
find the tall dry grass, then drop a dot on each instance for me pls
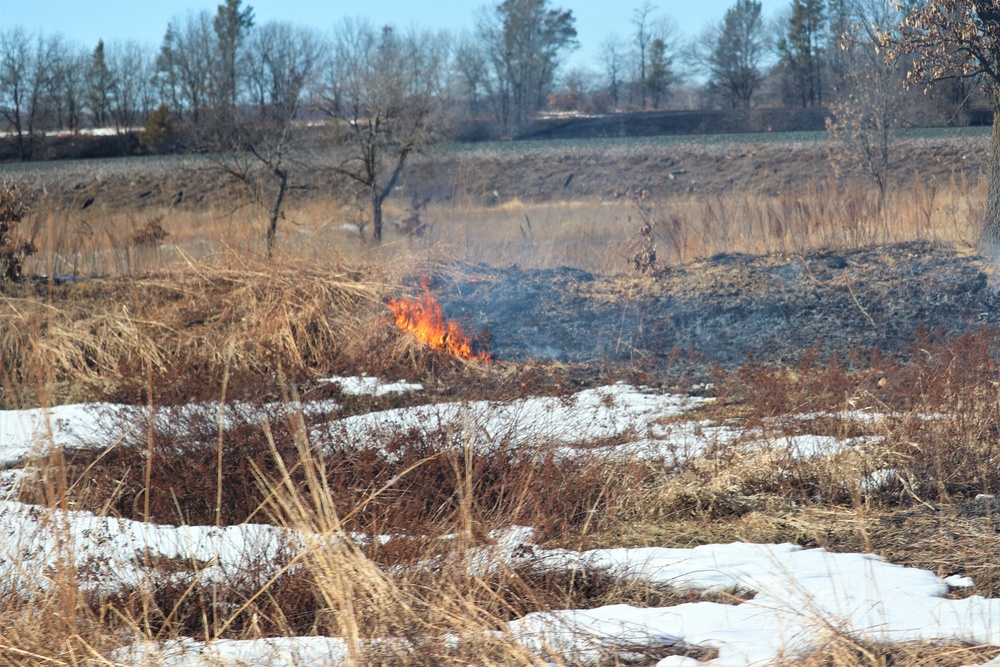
(173, 325)
(591, 234)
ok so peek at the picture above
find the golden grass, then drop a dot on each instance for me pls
(591, 234)
(201, 315)
(198, 318)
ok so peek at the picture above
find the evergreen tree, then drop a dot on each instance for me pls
(660, 74)
(100, 86)
(737, 46)
(232, 25)
(801, 52)
(525, 40)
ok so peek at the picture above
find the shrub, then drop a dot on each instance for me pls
(158, 132)
(13, 250)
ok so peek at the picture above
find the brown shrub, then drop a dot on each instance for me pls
(13, 250)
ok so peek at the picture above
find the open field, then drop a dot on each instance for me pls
(764, 432)
(534, 204)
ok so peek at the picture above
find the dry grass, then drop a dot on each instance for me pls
(841, 651)
(174, 324)
(108, 337)
(591, 234)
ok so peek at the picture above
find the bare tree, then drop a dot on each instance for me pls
(871, 91)
(959, 38)
(186, 64)
(575, 90)
(613, 55)
(117, 79)
(253, 147)
(26, 76)
(471, 69)
(132, 71)
(385, 94)
(642, 19)
(525, 41)
(68, 83)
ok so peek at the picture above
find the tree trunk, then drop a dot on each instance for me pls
(376, 214)
(379, 194)
(272, 228)
(990, 240)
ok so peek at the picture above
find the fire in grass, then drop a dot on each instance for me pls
(424, 319)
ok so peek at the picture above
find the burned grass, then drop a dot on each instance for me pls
(916, 484)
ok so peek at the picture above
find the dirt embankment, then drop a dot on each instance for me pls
(730, 306)
(494, 173)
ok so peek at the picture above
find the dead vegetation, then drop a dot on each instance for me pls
(223, 329)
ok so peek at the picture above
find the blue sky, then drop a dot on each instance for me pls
(86, 21)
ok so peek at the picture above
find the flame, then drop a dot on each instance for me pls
(424, 319)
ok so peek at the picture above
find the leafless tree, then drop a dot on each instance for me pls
(132, 71)
(385, 93)
(68, 84)
(613, 57)
(470, 66)
(282, 70)
(642, 21)
(26, 76)
(185, 65)
(871, 93)
(958, 39)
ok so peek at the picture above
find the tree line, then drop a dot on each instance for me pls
(235, 89)
(507, 69)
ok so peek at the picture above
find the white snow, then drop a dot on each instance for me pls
(24, 432)
(801, 596)
(959, 581)
(798, 594)
(110, 554)
(586, 417)
(274, 652)
(357, 385)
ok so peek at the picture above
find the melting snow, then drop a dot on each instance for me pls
(799, 594)
(111, 554)
(586, 417)
(356, 385)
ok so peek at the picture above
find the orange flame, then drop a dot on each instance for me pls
(424, 319)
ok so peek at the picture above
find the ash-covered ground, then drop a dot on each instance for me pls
(728, 307)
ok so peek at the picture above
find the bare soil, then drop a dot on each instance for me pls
(491, 173)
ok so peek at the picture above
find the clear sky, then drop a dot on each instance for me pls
(86, 21)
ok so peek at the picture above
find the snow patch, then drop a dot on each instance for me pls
(357, 385)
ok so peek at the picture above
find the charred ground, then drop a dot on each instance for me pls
(718, 310)
(727, 308)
